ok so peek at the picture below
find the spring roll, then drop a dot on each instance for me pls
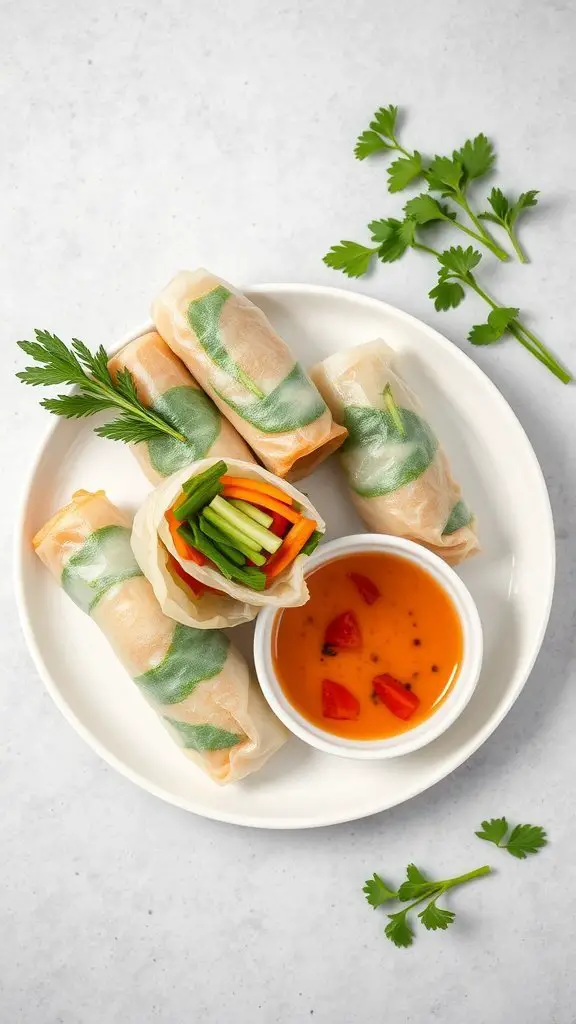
(164, 384)
(151, 538)
(195, 680)
(230, 347)
(398, 474)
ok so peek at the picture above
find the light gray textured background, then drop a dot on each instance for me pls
(139, 138)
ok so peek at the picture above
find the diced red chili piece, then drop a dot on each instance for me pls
(338, 702)
(401, 701)
(366, 588)
(343, 633)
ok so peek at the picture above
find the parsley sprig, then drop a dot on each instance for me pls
(416, 889)
(522, 840)
(96, 390)
(450, 176)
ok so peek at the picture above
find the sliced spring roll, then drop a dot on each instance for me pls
(151, 537)
(164, 384)
(230, 347)
(398, 474)
(195, 680)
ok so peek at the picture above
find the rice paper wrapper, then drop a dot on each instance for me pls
(151, 538)
(198, 684)
(231, 348)
(165, 385)
(398, 474)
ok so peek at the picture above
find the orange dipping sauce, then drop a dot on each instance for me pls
(409, 630)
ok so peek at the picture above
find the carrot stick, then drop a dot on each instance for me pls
(257, 485)
(291, 547)
(183, 549)
(264, 500)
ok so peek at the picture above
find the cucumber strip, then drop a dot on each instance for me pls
(222, 541)
(252, 578)
(235, 536)
(195, 501)
(213, 473)
(254, 513)
(246, 525)
(225, 541)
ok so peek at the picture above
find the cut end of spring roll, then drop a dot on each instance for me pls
(164, 385)
(152, 537)
(231, 348)
(196, 682)
(397, 471)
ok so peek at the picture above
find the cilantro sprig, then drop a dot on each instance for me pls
(448, 175)
(96, 390)
(520, 842)
(416, 889)
(394, 237)
(506, 214)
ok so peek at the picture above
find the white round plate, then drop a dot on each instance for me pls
(511, 580)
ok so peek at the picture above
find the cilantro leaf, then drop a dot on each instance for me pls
(404, 170)
(413, 874)
(424, 208)
(447, 295)
(382, 230)
(394, 245)
(459, 261)
(499, 204)
(384, 122)
(476, 157)
(434, 917)
(398, 930)
(499, 320)
(524, 201)
(493, 830)
(506, 214)
(407, 232)
(377, 892)
(445, 175)
(525, 839)
(368, 143)
(350, 257)
(416, 885)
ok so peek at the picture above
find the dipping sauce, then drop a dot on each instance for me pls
(374, 651)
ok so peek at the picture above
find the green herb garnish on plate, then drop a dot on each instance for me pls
(97, 391)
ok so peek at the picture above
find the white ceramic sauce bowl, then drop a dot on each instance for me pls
(447, 712)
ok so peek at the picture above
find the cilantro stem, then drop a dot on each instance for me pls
(450, 883)
(524, 336)
(483, 236)
(440, 888)
(518, 248)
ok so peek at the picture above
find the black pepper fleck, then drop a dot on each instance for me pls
(407, 686)
(416, 642)
(329, 651)
(435, 668)
(374, 658)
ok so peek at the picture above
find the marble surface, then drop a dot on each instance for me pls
(140, 138)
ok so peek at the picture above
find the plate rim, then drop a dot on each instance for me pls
(278, 823)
